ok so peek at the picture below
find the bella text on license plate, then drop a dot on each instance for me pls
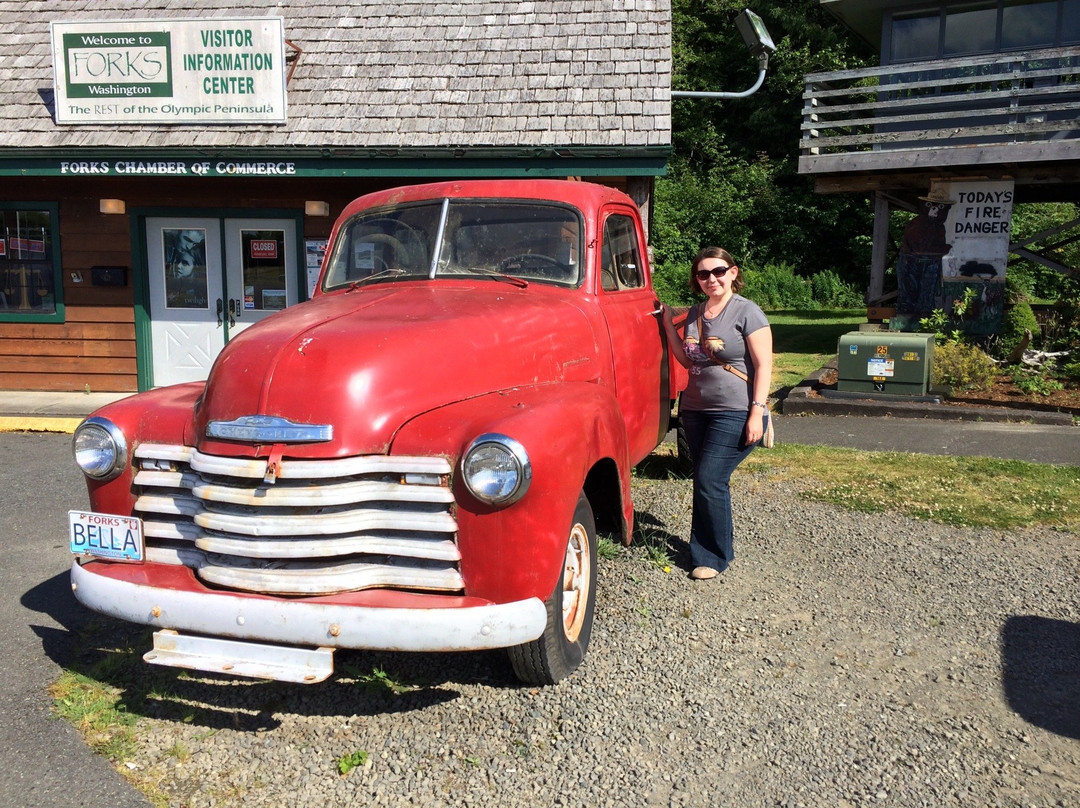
(106, 535)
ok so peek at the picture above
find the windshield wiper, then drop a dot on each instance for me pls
(521, 283)
(384, 273)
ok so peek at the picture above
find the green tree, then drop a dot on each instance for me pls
(733, 178)
(1028, 220)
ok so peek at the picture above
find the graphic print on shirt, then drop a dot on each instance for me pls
(701, 356)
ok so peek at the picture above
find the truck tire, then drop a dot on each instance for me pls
(684, 462)
(559, 650)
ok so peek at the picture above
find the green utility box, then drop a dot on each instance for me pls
(884, 362)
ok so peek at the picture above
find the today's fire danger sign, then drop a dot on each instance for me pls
(217, 70)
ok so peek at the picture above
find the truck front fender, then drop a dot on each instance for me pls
(513, 552)
(164, 415)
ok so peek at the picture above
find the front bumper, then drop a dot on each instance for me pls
(304, 623)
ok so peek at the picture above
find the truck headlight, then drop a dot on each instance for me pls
(496, 469)
(100, 449)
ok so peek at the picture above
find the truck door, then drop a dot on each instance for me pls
(639, 353)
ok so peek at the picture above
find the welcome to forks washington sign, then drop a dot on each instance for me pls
(188, 71)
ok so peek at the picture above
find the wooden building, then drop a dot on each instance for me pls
(971, 94)
(139, 229)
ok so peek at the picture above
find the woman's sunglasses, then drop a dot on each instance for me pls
(716, 272)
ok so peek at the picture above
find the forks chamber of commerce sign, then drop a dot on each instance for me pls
(186, 71)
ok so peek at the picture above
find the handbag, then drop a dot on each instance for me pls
(767, 439)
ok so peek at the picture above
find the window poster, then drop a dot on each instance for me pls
(185, 268)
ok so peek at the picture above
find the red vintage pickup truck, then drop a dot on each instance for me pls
(415, 459)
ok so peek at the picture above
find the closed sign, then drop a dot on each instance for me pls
(263, 249)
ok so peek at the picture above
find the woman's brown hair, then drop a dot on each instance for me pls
(737, 285)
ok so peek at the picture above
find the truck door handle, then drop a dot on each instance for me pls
(220, 308)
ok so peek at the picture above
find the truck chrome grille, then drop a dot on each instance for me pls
(320, 527)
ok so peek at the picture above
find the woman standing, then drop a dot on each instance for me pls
(728, 350)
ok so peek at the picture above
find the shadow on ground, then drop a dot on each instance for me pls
(364, 682)
(1041, 672)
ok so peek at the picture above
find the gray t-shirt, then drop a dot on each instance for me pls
(711, 387)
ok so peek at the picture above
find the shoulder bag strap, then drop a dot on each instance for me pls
(701, 342)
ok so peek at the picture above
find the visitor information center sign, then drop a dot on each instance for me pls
(216, 70)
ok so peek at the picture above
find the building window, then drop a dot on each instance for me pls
(30, 287)
(915, 36)
(1070, 22)
(940, 30)
(1031, 25)
(970, 29)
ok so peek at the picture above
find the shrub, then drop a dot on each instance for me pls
(778, 287)
(1064, 332)
(830, 292)
(1018, 289)
(963, 366)
(669, 281)
(1017, 319)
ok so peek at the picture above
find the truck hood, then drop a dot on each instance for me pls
(367, 361)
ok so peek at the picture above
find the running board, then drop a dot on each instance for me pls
(281, 663)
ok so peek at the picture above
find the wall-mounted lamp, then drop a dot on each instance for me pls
(112, 206)
(315, 208)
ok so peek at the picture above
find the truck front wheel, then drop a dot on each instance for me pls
(560, 649)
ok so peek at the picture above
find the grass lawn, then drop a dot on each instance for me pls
(803, 341)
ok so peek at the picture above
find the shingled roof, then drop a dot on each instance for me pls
(407, 75)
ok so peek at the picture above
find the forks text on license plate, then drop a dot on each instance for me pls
(106, 535)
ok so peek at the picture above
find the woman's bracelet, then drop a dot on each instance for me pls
(759, 404)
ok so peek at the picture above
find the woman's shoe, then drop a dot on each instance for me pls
(704, 573)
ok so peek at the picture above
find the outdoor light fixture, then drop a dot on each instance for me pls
(758, 42)
(112, 206)
(315, 208)
(754, 33)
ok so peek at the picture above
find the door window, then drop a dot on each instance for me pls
(265, 279)
(620, 258)
(184, 261)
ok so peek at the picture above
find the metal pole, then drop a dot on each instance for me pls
(763, 65)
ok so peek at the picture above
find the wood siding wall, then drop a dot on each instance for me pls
(95, 348)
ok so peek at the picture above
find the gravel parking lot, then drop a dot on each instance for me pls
(844, 660)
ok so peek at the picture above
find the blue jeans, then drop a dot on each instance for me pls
(716, 441)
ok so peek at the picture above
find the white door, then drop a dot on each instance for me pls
(210, 278)
(186, 331)
(261, 258)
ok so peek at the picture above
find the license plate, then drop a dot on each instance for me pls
(106, 535)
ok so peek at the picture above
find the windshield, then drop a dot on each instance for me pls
(535, 241)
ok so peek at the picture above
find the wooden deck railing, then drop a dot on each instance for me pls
(1018, 106)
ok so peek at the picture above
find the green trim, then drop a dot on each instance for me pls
(144, 352)
(58, 315)
(301, 262)
(292, 164)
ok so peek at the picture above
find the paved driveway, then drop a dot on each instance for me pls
(46, 763)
